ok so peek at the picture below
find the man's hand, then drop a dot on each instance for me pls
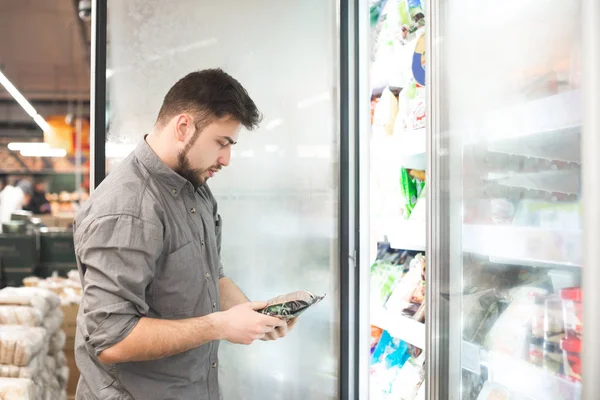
(241, 324)
(281, 331)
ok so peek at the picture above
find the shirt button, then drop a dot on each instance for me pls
(202, 242)
(193, 211)
(214, 305)
(214, 365)
(208, 275)
(174, 191)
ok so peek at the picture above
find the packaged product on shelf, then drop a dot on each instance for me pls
(385, 113)
(571, 348)
(572, 312)
(480, 312)
(510, 333)
(553, 358)
(390, 351)
(411, 189)
(553, 320)
(396, 369)
(386, 271)
(408, 380)
(291, 305)
(411, 109)
(536, 343)
(375, 336)
(404, 289)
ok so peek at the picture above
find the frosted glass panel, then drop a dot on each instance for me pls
(279, 196)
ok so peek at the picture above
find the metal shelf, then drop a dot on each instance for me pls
(406, 234)
(559, 181)
(525, 245)
(401, 327)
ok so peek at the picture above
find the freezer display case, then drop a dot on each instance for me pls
(397, 199)
(506, 235)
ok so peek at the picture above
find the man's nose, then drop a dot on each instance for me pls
(225, 156)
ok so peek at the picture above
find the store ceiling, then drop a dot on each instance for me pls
(44, 52)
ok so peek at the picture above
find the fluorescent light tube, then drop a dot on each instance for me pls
(23, 102)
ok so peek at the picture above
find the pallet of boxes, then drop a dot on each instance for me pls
(33, 364)
(68, 291)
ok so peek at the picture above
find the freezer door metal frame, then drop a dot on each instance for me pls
(352, 33)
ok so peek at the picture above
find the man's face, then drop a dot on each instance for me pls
(201, 159)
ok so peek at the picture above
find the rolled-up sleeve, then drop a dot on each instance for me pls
(118, 255)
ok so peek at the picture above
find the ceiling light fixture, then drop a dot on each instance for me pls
(24, 103)
(44, 153)
(18, 146)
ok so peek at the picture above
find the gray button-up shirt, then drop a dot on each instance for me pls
(147, 245)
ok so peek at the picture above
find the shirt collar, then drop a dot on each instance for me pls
(159, 170)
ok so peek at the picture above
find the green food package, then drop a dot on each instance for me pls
(410, 188)
(291, 305)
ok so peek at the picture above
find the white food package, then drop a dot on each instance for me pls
(53, 321)
(20, 315)
(20, 344)
(385, 113)
(17, 389)
(42, 299)
(57, 343)
(403, 290)
(509, 335)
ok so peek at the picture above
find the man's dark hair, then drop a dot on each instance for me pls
(208, 95)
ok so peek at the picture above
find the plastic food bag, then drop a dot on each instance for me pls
(20, 344)
(290, 305)
(16, 389)
(42, 299)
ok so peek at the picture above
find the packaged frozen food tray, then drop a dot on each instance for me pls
(290, 305)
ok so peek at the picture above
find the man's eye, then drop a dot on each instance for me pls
(222, 144)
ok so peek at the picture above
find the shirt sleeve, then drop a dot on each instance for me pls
(118, 256)
(218, 231)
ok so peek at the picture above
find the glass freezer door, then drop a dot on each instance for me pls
(287, 199)
(506, 210)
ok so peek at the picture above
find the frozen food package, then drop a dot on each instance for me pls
(291, 305)
(17, 389)
(572, 311)
(375, 336)
(390, 351)
(42, 299)
(410, 188)
(480, 311)
(404, 289)
(385, 113)
(20, 344)
(510, 333)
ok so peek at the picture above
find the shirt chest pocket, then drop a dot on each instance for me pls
(177, 286)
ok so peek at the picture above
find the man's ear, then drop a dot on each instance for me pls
(182, 126)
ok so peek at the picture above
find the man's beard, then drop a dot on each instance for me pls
(186, 171)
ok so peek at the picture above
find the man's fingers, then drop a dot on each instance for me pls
(257, 305)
